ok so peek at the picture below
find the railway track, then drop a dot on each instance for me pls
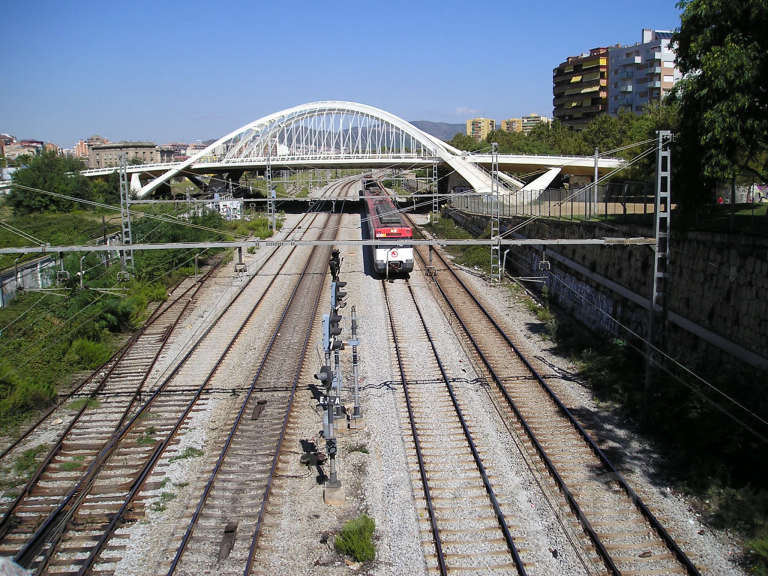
(115, 388)
(464, 526)
(222, 533)
(62, 540)
(624, 533)
(58, 416)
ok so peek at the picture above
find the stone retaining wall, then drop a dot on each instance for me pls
(716, 291)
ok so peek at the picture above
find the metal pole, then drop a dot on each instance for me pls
(356, 410)
(495, 224)
(595, 183)
(81, 271)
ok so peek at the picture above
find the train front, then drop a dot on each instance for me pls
(393, 259)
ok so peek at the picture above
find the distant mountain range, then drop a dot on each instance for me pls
(443, 130)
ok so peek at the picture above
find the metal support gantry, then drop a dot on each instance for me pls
(661, 251)
(661, 228)
(495, 214)
(271, 194)
(125, 217)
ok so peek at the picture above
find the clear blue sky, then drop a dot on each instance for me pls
(166, 70)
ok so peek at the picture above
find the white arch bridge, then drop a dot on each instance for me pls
(336, 134)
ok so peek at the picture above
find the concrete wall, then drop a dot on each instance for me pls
(716, 294)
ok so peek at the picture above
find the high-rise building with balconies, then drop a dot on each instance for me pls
(641, 73)
(512, 125)
(530, 121)
(580, 88)
(479, 128)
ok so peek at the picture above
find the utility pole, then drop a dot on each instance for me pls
(356, 410)
(125, 217)
(82, 274)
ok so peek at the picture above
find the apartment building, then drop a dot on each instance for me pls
(512, 125)
(105, 155)
(580, 88)
(530, 121)
(479, 128)
(642, 73)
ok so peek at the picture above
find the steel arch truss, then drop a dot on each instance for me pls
(318, 131)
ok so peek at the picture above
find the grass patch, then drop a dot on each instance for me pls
(147, 437)
(160, 504)
(74, 464)
(181, 484)
(355, 539)
(27, 462)
(189, 452)
(358, 448)
(470, 256)
(81, 403)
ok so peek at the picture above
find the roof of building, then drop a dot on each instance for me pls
(124, 144)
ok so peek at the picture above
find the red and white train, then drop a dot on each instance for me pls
(385, 222)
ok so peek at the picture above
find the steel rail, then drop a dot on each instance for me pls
(468, 435)
(53, 522)
(573, 504)
(87, 563)
(54, 451)
(227, 443)
(636, 500)
(419, 456)
(27, 554)
(275, 458)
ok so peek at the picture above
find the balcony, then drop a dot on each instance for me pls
(626, 88)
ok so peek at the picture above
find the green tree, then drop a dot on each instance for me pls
(51, 172)
(722, 48)
(464, 142)
(106, 190)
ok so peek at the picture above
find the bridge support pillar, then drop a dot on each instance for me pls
(435, 192)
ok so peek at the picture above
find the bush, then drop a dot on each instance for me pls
(85, 353)
(355, 539)
(18, 395)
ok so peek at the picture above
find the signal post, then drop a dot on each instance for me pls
(330, 375)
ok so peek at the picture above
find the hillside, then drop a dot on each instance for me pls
(443, 130)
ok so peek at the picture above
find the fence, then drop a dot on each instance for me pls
(609, 202)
